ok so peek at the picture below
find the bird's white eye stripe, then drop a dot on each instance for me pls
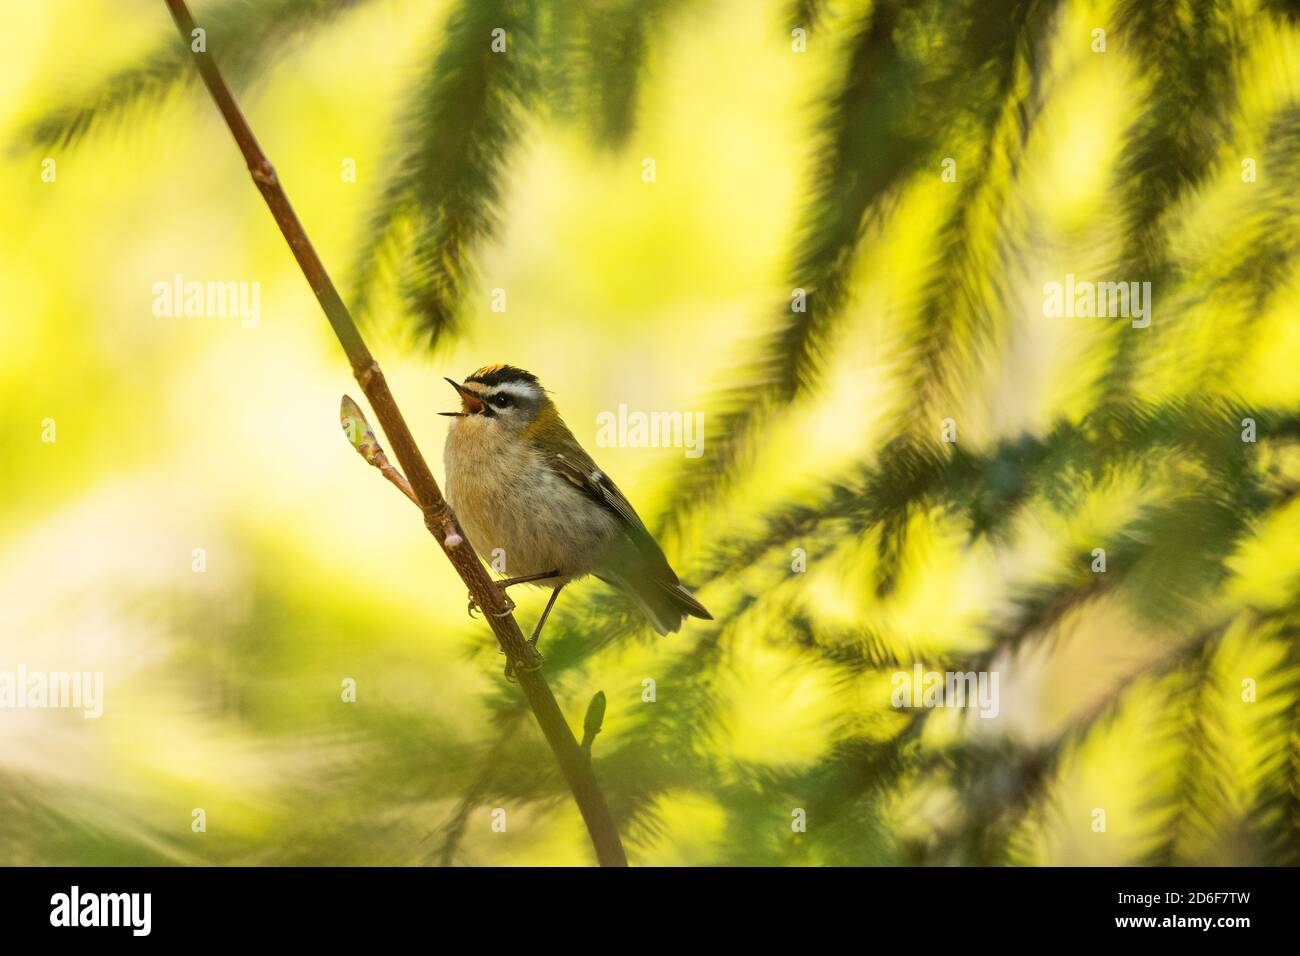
(517, 389)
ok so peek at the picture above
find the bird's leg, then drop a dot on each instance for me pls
(510, 582)
(537, 631)
(526, 578)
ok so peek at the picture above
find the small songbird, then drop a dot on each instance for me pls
(519, 481)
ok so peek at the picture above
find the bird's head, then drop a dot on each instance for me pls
(500, 397)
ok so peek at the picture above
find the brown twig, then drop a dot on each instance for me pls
(574, 763)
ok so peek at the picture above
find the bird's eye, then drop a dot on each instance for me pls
(500, 401)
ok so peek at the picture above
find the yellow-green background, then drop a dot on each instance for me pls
(223, 688)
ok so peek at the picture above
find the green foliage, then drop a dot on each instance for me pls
(456, 135)
(244, 35)
(463, 124)
(916, 83)
(459, 129)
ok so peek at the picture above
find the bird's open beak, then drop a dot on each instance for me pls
(471, 403)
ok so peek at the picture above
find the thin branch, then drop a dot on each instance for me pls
(363, 439)
(438, 517)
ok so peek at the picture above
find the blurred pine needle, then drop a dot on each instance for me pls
(919, 82)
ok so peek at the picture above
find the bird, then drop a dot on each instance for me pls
(518, 481)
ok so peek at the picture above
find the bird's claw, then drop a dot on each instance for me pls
(474, 606)
(512, 667)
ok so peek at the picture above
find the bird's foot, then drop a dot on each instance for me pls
(508, 610)
(513, 667)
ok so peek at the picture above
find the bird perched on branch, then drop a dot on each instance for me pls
(518, 480)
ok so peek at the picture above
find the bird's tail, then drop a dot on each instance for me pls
(666, 604)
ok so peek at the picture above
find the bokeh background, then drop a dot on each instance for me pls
(795, 146)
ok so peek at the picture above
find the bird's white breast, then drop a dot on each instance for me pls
(511, 504)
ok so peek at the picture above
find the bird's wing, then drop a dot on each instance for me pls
(649, 577)
(576, 466)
